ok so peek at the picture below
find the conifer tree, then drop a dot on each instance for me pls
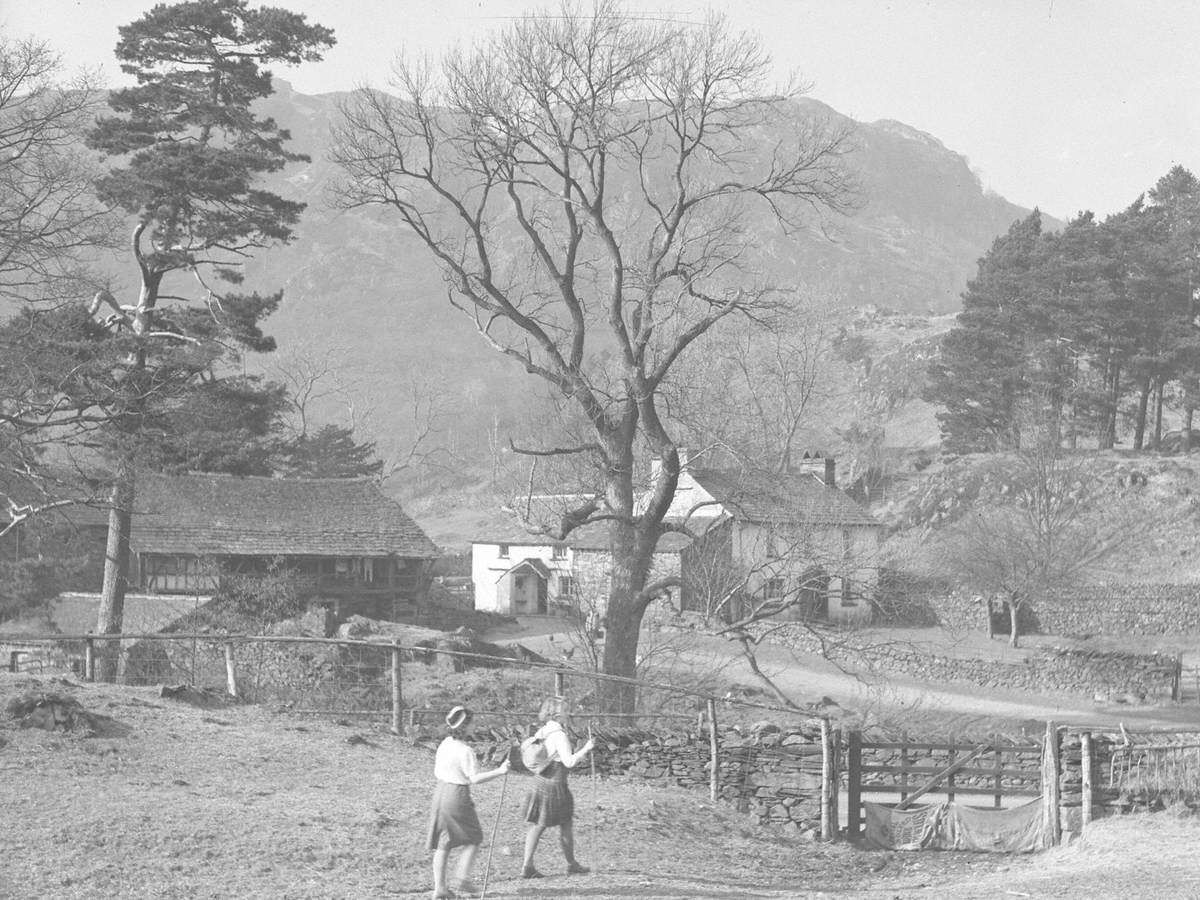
(981, 377)
(191, 152)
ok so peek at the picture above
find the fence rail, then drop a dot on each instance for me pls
(1082, 771)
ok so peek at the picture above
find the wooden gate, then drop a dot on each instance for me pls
(903, 770)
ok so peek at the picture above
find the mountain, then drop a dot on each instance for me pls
(362, 292)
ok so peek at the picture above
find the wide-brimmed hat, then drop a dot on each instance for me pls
(458, 717)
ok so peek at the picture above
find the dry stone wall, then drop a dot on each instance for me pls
(769, 773)
(1113, 609)
(1045, 670)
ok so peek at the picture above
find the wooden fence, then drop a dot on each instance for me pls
(907, 770)
(1081, 773)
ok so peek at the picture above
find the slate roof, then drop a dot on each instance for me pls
(594, 536)
(791, 498)
(249, 516)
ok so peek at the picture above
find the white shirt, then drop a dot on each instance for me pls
(455, 762)
(558, 745)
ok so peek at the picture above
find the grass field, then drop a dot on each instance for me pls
(173, 801)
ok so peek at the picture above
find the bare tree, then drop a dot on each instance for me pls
(1042, 522)
(757, 384)
(585, 181)
(50, 221)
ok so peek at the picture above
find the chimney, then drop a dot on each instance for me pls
(822, 468)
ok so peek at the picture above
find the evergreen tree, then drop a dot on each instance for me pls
(981, 376)
(331, 452)
(192, 150)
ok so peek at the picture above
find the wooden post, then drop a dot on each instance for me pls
(230, 672)
(999, 778)
(89, 659)
(713, 750)
(854, 784)
(397, 712)
(904, 760)
(1051, 788)
(14, 661)
(560, 683)
(835, 782)
(828, 773)
(1085, 764)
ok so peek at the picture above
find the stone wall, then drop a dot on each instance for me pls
(1115, 609)
(1152, 609)
(771, 774)
(1130, 773)
(1045, 670)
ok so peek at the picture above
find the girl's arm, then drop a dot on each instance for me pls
(561, 744)
(481, 777)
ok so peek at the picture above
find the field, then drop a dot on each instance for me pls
(169, 800)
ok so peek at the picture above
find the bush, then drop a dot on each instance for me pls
(27, 585)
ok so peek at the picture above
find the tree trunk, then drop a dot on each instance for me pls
(1014, 631)
(110, 617)
(1186, 443)
(1156, 437)
(623, 619)
(1139, 428)
(1108, 434)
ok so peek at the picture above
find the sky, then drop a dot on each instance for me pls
(1063, 104)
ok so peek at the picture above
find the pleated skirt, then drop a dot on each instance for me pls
(453, 821)
(549, 802)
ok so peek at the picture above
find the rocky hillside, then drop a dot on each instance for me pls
(365, 296)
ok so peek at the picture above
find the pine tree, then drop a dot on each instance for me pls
(192, 150)
(981, 376)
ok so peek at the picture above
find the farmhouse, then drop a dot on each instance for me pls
(757, 538)
(792, 538)
(521, 574)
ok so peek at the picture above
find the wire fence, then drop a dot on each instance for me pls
(407, 689)
(402, 686)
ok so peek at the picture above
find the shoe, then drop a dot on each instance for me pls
(576, 869)
(530, 872)
(444, 895)
(467, 886)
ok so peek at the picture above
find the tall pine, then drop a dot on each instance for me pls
(981, 376)
(192, 153)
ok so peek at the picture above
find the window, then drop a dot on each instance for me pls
(559, 551)
(566, 586)
(848, 592)
(504, 551)
(773, 550)
(775, 588)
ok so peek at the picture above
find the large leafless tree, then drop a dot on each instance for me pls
(586, 180)
(50, 222)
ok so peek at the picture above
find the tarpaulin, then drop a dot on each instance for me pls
(950, 826)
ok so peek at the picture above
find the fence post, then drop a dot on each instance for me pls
(828, 773)
(14, 661)
(713, 750)
(560, 683)
(397, 720)
(230, 672)
(1051, 788)
(1085, 765)
(89, 659)
(854, 784)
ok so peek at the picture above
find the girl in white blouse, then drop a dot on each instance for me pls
(453, 821)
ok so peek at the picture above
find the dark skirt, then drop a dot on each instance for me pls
(549, 802)
(453, 821)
